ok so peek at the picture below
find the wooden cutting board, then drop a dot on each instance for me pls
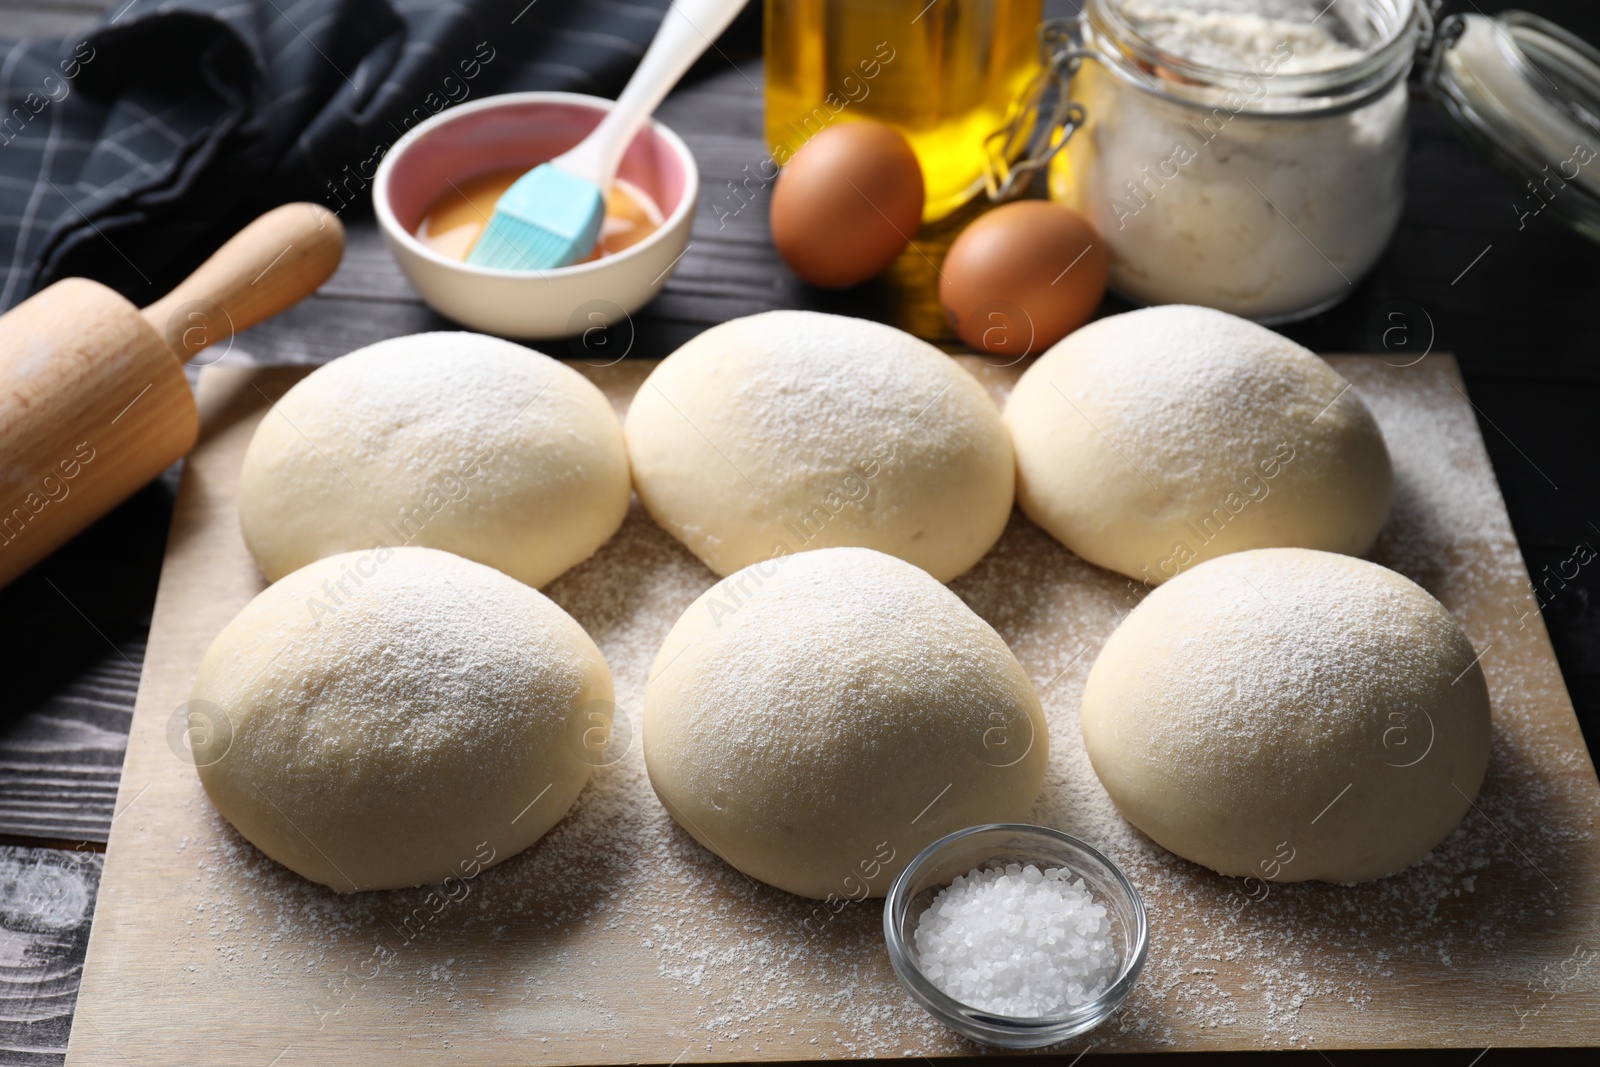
(617, 938)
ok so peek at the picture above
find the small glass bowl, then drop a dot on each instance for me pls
(997, 844)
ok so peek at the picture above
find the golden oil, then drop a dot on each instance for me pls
(944, 73)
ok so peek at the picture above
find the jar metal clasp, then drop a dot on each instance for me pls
(1019, 148)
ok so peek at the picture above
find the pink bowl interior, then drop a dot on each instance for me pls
(521, 135)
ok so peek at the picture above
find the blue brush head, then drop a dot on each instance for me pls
(548, 218)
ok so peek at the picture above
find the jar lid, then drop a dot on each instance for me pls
(1527, 93)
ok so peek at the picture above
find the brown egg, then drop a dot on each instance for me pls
(847, 203)
(1023, 276)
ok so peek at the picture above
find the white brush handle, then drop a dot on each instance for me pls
(687, 30)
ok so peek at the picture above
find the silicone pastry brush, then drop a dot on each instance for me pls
(551, 216)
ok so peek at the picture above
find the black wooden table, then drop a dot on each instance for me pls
(1516, 300)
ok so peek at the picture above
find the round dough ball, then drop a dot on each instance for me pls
(795, 430)
(445, 440)
(397, 717)
(1150, 441)
(817, 719)
(1291, 715)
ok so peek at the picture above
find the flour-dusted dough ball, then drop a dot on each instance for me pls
(445, 440)
(1150, 441)
(817, 719)
(794, 430)
(1291, 715)
(397, 717)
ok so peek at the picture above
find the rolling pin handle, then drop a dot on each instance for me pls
(276, 261)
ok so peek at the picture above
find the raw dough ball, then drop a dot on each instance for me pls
(817, 719)
(1150, 441)
(396, 717)
(795, 430)
(446, 440)
(1291, 715)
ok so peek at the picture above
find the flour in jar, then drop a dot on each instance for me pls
(1236, 34)
(1240, 184)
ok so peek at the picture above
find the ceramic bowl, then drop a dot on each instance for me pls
(523, 130)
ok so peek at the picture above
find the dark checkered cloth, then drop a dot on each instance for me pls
(129, 153)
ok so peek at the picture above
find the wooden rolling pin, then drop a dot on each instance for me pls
(93, 398)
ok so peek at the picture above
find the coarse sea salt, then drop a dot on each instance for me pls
(1019, 942)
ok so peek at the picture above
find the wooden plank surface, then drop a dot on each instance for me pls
(47, 899)
(616, 938)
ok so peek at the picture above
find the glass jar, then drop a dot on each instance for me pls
(1526, 93)
(945, 74)
(1263, 175)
